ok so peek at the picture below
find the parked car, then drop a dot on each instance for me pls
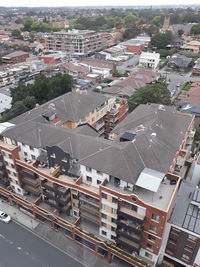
(4, 217)
(178, 84)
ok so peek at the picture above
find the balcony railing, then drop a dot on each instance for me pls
(131, 226)
(131, 214)
(128, 243)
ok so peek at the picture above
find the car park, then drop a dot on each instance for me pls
(4, 217)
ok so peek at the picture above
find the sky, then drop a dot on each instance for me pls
(32, 3)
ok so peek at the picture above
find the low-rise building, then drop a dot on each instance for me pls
(15, 57)
(149, 60)
(179, 61)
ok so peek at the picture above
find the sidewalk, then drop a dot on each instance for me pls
(56, 239)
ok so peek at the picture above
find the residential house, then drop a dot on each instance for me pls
(126, 87)
(179, 61)
(149, 60)
(196, 67)
(74, 69)
(192, 46)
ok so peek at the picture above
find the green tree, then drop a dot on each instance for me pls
(161, 40)
(27, 24)
(152, 93)
(16, 33)
(195, 29)
(130, 20)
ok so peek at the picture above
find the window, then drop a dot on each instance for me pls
(155, 217)
(103, 195)
(112, 237)
(149, 246)
(104, 233)
(104, 216)
(191, 237)
(113, 229)
(8, 171)
(100, 173)
(114, 200)
(113, 220)
(6, 162)
(18, 190)
(148, 255)
(31, 148)
(186, 257)
(25, 154)
(88, 169)
(89, 179)
(14, 174)
(12, 166)
(114, 211)
(33, 157)
(10, 156)
(153, 228)
(103, 224)
(152, 238)
(98, 181)
(188, 247)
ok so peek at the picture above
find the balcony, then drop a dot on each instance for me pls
(49, 186)
(31, 181)
(64, 199)
(129, 235)
(27, 173)
(49, 195)
(90, 200)
(131, 214)
(35, 190)
(130, 226)
(90, 209)
(130, 245)
(90, 217)
(99, 125)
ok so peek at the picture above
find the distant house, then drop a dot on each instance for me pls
(138, 44)
(149, 60)
(192, 46)
(186, 28)
(196, 68)
(76, 70)
(125, 88)
(179, 61)
(15, 57)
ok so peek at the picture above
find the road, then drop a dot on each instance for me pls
(19, 247)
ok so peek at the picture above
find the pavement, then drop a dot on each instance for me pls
(56, 239)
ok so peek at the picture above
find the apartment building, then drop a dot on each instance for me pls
(74, 42)
(73, 109)
(183, 242)
(149, 60)
(113, 197)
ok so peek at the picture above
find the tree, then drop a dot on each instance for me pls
(130, 20)
(152, 93)
(16, 33)
(195, 29)
(161, 40)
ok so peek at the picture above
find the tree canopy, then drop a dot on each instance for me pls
(25, 97)
(161, 40)
(152, 93)
(195, 29)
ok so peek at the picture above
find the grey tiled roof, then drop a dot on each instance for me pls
(156, 142)
(71, 106)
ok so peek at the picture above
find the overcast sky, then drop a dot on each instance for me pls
(31, 3)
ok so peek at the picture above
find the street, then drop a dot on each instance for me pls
(19, 247)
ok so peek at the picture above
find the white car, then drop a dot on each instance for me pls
(4, 217)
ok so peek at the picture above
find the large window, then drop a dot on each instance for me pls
(104, 195)
(155, 217)
(152, 238)
(153, 228)
(89, 179)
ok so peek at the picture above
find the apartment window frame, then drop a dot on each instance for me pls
(103, 232)
(88, 169)
(153, 226)
(89, 179)
(155, 217)
(104, 216)
(149, 246)
(148, 255)
(151, 238)
(104, 195)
